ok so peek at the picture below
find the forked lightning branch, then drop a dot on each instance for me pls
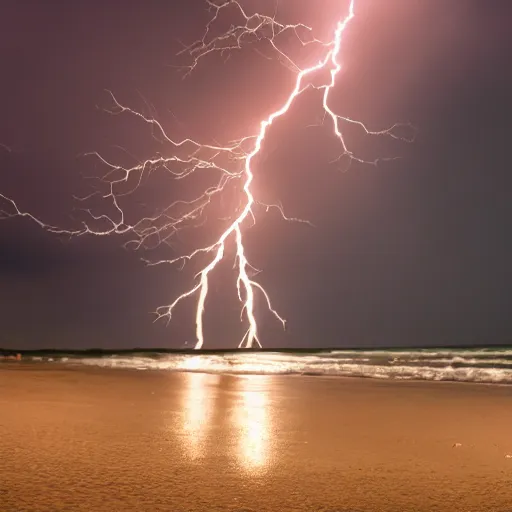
(186, 157)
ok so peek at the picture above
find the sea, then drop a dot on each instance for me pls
(483, 365)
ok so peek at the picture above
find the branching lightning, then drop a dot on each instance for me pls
(190, 156)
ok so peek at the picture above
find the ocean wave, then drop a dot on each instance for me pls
(403, 365)
(504, 353)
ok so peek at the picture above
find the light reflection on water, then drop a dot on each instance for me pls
(252, 423)
(239, 406)
(198, 408)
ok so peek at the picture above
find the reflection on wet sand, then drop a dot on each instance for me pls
(251, 422)
(198, 407)
(248, 421)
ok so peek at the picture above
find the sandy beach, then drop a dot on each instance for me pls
(123, 440)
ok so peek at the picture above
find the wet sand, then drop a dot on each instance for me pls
(119, 440)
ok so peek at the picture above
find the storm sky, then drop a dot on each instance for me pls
(415, 251)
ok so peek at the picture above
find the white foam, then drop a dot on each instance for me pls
(416, 368)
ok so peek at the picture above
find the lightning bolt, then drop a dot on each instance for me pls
(191, 156)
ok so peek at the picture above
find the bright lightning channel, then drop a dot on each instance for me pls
(167, 223)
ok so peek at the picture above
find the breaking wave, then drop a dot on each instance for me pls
(478, 365)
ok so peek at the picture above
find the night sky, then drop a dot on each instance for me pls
(416, 251)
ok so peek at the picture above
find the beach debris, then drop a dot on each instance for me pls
(456, 445)
(508, 456)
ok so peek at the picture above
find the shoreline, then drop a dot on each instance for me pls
(55, 365)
